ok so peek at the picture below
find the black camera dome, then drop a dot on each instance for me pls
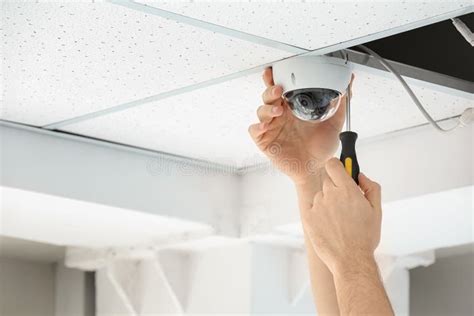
(313, 104)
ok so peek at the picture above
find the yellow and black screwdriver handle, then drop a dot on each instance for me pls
(348, 154)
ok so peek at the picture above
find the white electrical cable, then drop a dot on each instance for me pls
(465, 119)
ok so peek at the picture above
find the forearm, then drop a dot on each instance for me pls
(360, 289)
(322, 283)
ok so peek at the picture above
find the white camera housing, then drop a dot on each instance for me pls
(313, 86)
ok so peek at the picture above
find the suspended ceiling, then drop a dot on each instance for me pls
(311, 24)
(66, 60)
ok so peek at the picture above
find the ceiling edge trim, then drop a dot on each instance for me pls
(198, 163)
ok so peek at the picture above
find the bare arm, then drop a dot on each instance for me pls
(294, 147)
(343, 226)
(322, 283)
(360, 289)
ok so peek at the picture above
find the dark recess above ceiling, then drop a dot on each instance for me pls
(437, 47)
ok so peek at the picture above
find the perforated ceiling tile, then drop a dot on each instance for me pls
(310, 24)
(208, 123)
(61, 60)
(381, 105)
(212, 123)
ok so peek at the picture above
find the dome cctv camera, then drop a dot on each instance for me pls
(312, 85)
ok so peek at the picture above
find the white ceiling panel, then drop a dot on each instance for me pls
(62, 60)
(312, 24)
(211, 123)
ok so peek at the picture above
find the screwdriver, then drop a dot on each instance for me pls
(348, 140)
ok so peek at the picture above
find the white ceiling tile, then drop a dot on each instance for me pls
(211, 123)
(61, 60)
(208, 123)
(381, 105)
(312, 24)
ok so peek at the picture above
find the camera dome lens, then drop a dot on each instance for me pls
(313, 104)
(303, 100)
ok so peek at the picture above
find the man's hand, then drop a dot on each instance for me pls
(343, 226)
(344, 222)
(296, 147)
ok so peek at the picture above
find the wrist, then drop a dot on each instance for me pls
(307, 187)
(362, 265)
(310, 177)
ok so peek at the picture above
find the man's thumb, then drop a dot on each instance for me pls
(371, 190)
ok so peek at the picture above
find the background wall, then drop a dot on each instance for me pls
(74, 292)
(26, 288)
(444, 288)
(34, 282)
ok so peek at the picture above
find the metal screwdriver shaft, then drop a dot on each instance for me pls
(348, 109)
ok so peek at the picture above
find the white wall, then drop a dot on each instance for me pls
(444, 288)
(280, 284)
(216, 276)
(26, 288)
(44, 288)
